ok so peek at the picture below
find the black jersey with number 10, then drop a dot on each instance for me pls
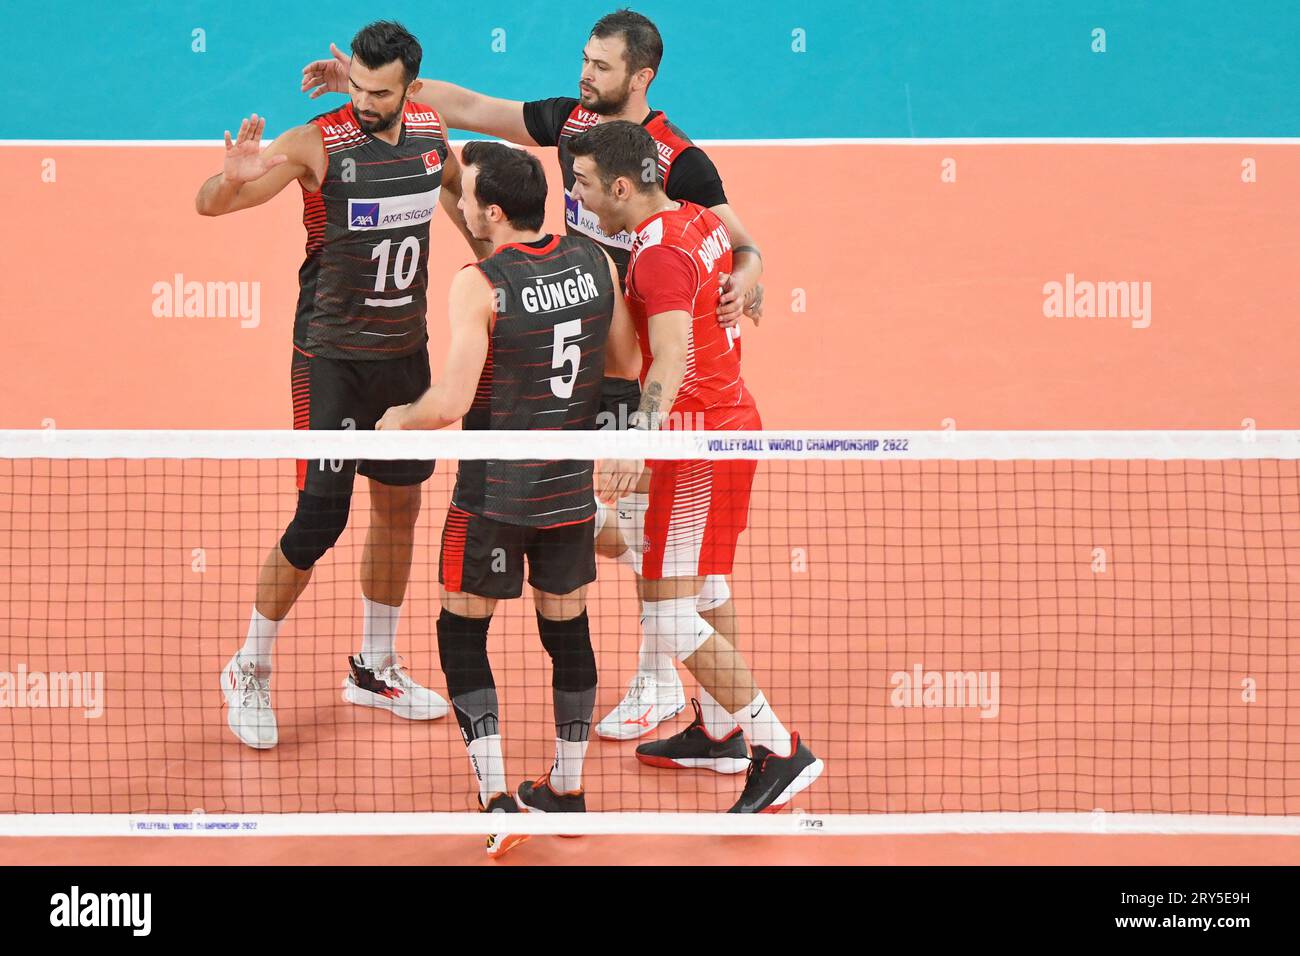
(553, 301)
(362, 285)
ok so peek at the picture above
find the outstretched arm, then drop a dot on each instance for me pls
(460, 108)
(251, 176)
(448, 399)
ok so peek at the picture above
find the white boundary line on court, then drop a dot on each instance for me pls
(879, 445)
(808, 141)
(677, 824)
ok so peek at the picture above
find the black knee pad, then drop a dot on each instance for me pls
(462, 648)
(315, 528)
(569, 644)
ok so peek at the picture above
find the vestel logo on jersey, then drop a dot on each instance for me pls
(432, 162)
(665, 151)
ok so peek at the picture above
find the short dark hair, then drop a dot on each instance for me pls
(510, 178)
(380, 43)
(644, 47)
(620, 148)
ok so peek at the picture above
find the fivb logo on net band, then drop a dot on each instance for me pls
(77, 909)
(53, 690)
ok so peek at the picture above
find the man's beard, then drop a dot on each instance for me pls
(607, 106)
(381, 124)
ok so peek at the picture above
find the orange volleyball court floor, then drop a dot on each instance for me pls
(898, 297)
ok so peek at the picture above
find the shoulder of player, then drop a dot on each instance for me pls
(471, 276)
(302, 144)
(663, 247)
(422, 120)
(666, 131)
(338, 129)
(471, 289)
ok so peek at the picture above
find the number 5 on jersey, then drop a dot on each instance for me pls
(565, 354)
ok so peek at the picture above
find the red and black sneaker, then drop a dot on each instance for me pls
(391, 688)
(694, 749)
(773, 781)
(539, 796)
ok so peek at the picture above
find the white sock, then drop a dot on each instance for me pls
(762, 727)
(566, 775)
(651, 663)
(717, 721)
(261, 639)
(489, 765)
(378, 632)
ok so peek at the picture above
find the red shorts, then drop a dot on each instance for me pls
(695, 514)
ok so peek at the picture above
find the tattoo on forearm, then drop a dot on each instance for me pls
(651, 401)
(737, 250)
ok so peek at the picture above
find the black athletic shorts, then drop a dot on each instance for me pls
(485, 557)
(328, 393)
(619, 398)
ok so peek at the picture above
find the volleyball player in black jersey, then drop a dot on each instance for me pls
(535, 327)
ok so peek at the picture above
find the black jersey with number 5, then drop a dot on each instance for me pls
(553, 301)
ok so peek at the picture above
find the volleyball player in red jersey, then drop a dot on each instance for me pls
(372, 175)
(619, 62)
(696, 509)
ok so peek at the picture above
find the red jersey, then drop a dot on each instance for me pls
(677, 257)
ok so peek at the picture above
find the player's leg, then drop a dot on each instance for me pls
(655, 692)
(696, 514)
(561, 563)
(481, 561)
(377, 677)
(324, 501)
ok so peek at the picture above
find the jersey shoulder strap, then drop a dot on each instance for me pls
(421, 120)
(339, 129)
(579, 121)
(671, 142)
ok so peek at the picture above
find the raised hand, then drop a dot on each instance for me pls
(327, 76)
(245, 160)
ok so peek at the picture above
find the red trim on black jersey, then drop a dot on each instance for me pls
(313, 219)
(665, 134)
(531, 250)
(455, 531)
